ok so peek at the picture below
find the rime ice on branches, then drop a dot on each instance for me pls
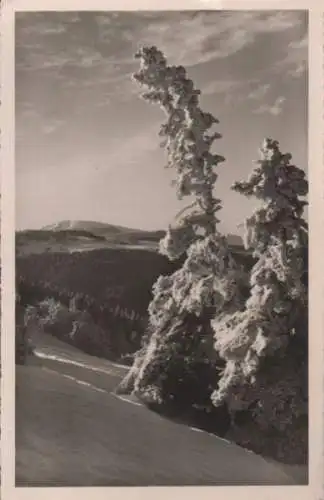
(278, 236)
(188, 142)
(209, 277)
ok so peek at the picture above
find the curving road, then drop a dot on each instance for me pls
(71, 430)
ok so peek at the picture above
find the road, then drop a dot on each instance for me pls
(71, 430)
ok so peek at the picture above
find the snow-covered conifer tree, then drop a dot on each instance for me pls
(268, 326)
(188, 145)
(209, 280)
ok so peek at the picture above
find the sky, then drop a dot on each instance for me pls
(87, 145)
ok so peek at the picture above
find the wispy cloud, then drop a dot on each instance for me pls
(192, 39)
(301, 44)
(295, 61)
(274, 109)
(29, 113)
(298, 71)
(259, 92)
(41, 59)
(188, 38)
(106, 20)
(72, 79)
(44, 28)
(30, 117)
(221, 86)
(208, 36)
(102, 59)
(71, 17)
(50, 128)
(86, 57)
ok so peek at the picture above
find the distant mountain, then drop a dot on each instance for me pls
(88, 225)
(102, 229)
(78, 235)
(96, 227)
(77, 225)
(71, 236)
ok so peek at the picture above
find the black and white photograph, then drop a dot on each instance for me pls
(161, 248)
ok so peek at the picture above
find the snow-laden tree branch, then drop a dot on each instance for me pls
(188, 142)
(277, 235)
(209, 278)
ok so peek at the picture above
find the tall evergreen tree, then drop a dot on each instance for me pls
(264, 347)
(209, 279)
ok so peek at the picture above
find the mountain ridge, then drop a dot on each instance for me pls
(98, 226)
(78, 224)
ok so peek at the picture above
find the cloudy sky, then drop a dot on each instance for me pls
(87, 145)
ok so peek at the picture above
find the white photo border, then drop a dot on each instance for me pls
(315, 489)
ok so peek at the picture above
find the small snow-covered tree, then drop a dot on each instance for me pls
(209, 279)
(268, 326)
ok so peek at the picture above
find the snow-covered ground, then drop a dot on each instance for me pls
(87, 384)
